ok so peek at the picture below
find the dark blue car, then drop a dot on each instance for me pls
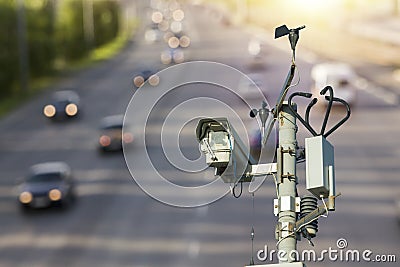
(47, 184)
(64, 105)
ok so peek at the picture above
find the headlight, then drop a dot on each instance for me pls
(49, 111)
(178, 57)
(154, 80)
(173, 42)
(55, 195)
(71, 109)
(166, 58)
(138, 81)
(25, 197)
(127, 138)
(184, 41)
(105, 140)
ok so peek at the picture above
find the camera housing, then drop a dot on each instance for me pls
(224, 150)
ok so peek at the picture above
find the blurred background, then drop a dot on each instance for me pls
(68, 69)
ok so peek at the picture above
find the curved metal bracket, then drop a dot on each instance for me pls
(305, 123)
(340, 123)
(328, 109)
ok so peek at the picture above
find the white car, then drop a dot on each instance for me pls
(251, 88)
(340, 76)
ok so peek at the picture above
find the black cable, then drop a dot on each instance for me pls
(234, 190)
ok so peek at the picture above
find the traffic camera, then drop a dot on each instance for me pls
(224, 150)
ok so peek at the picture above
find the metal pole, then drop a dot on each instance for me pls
(22, 47)
(287, 182)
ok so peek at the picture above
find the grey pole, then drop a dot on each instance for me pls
(287, 182)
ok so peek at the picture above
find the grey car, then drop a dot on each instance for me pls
(111, 136)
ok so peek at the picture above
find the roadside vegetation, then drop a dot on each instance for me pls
(60, 37)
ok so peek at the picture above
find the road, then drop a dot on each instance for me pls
(114, 223)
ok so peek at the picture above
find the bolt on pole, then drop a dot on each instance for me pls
(287, 182)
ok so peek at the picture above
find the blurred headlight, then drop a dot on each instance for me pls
(49, 111)
(157, 17)
(166, 57)
(179, 57)
(138, 81)
(55, 195)
(163, 25)
(105, 140)
(71, 109)
(128, 138)
(25, 197)
(173, 42)
(178, 15)
(184, 41)
(154, 80)
(176, 26)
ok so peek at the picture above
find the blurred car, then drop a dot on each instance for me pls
(64, 104)
(172, 56)
(142, 75)
(47, 184)
(340, 76)
(251, 88)
(111, 136)
(153, 35)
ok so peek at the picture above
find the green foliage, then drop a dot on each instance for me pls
(41, 38)
(8, 48)
(106, 21)
(55, 36)
(70, 35)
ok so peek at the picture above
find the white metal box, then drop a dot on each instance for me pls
(320, 166)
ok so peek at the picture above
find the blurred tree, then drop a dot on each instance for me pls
(54, 35)
(8, 48)
(106, 21)
(70, 34)
(41, 37)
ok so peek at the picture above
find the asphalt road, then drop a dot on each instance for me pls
(114, 223)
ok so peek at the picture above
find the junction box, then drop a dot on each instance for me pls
(320, 165)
